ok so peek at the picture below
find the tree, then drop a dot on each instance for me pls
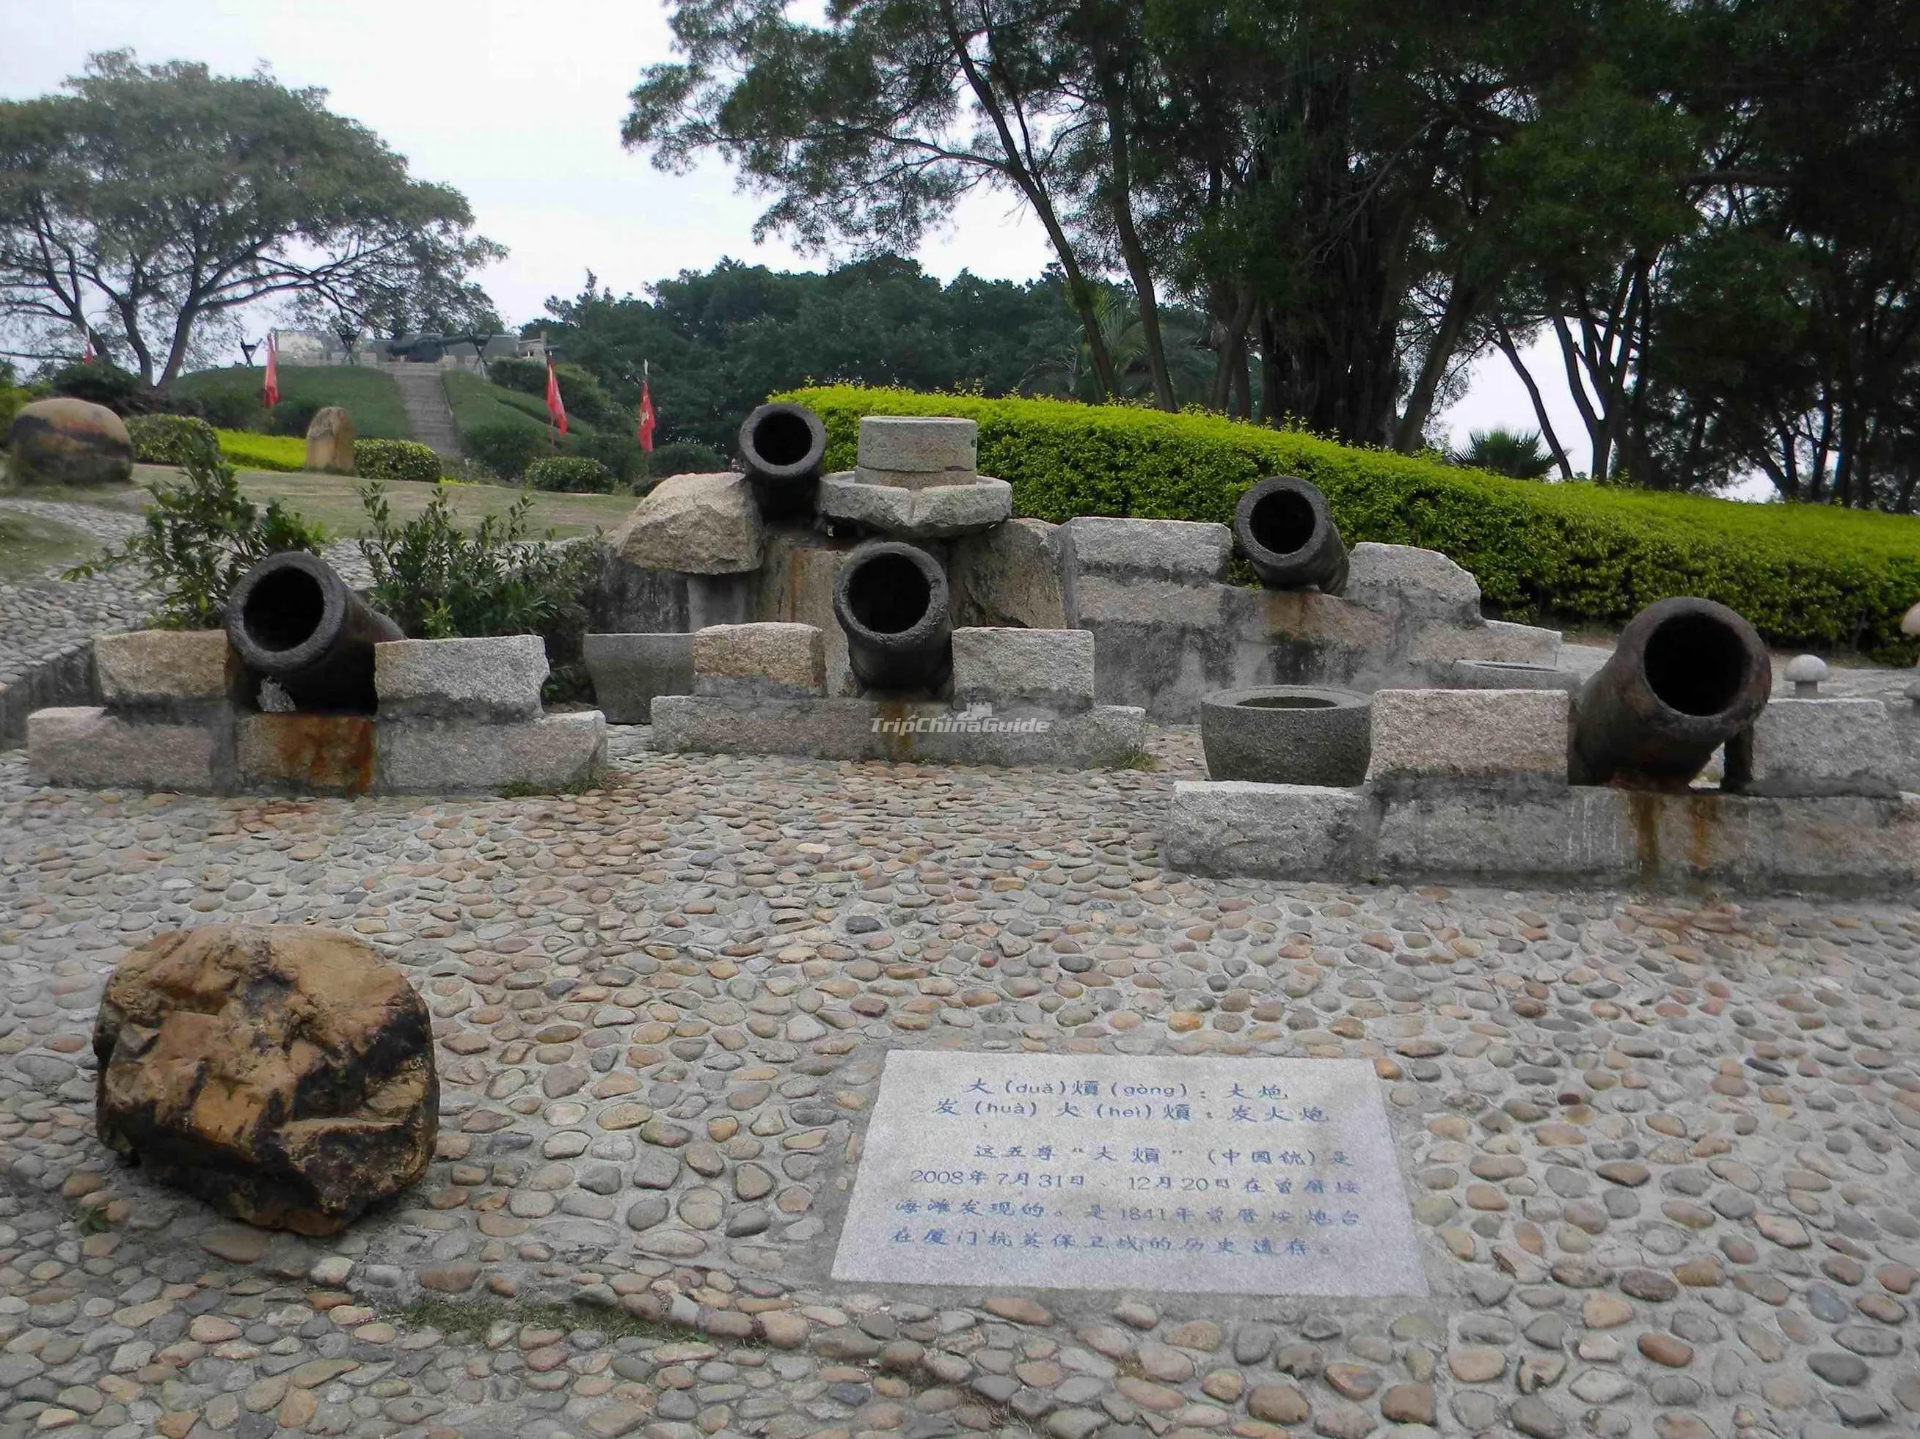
(151, 203)
(1505, 452)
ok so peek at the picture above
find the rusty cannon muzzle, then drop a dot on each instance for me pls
(293, 620)
(1287, 534)
(784, 447)
(892, 601)
(1686, 676)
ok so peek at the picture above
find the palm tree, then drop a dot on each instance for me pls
(1505, 452)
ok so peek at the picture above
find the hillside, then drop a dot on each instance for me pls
(369, 396)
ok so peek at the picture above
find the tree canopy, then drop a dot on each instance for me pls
(1710, 208)
(720, 341)
(148, 204)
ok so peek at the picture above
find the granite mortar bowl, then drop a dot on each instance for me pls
(1287, 734)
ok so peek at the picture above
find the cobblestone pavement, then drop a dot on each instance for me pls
(1659, 1151)
(43, 618)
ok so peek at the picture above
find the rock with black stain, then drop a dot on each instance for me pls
(283, 1074)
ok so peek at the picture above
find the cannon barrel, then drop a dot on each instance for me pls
(1287, 534)
(1686, 676)
(783, 447)
(892, 601)
(291, 619)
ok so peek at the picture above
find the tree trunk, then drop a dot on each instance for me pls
(1233, 354)
(1463, 302)
(1120, 201)
(1504, 337)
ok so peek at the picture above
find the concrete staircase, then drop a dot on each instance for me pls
(423, 391)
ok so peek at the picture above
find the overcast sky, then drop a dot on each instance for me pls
(518, 104)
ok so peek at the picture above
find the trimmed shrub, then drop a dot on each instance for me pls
(263, 452)
(527, 376)
(573, 473)
(1812, 576)
(292, 417)
(396, 460)
(103, 383)
(506, 449)
(684, 457)
(168, 439)
(13, 399)
(619, 453)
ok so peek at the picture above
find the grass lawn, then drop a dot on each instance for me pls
(30, 546)
(334, 500)
(372, 398)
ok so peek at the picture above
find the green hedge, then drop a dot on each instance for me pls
(575, 474)
(396, 460)
(1811, 576)
(167, 439)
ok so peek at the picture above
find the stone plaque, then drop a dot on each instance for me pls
(1188, 1175)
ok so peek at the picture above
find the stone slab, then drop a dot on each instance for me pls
(1009, 574)
(490, 679)
(159, 668)
(90, 748)
(1269, 831)
(1498, 640)
(936, 512)
(429, 757)
(629, 670)
(770, 660)
(305, 753)
(1168, 1174)
(1569, 836)
(837, 728)
(1186, 551)
(1819, 747)
(1412, 583)
(918, 444)
(1517, 735)
(1009, 667)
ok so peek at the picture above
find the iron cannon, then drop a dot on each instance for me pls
(892, 601)
(1686, 676)
(1287, 534)
(783, 447)
(293, 620)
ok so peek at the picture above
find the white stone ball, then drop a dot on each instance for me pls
(1911, 624)
(1806, 669)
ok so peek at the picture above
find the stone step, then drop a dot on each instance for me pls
(423, 393)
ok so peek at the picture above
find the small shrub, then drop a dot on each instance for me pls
(438, 582)
(102, 383)
(167, 439)
(573, 473)
(684, 457)
(529, 377)
(396, 460)
(13, 400)
(201, 536)
(506, 449)
(263, 452)
(619, 453)
(292, 417)
(229, 410)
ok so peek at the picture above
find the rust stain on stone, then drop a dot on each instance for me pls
(1643, 812)
(324, 752)
(895, 734)
(1703, 821)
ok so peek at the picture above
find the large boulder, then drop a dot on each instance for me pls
(695, 524)
(330, 442)
(283, 1074)
(65, 441)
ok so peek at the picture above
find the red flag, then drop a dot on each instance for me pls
(86, 355)
(555, 409)
(273, 372)
(646, 416)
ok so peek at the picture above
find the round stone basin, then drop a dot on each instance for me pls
(1510, 675)
(1287, 734)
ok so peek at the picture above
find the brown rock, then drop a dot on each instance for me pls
(283, 1074)
(1666, 1349)
(1408, 1404)
(65, 441)
(1018, 1309)
(330, 442)
(1279, 1404)
(1196, 1334)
